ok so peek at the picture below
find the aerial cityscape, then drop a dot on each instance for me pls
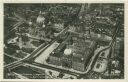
(63, 41)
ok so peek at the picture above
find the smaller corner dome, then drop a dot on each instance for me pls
(40, 19)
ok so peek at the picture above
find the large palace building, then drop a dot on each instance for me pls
(74, 52)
